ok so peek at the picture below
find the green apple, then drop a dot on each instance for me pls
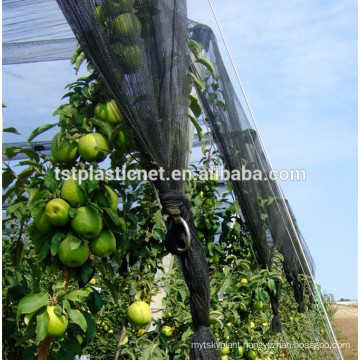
(257, 305)
(244, 281)
(240, 351)
(73, 252)
(93, 147)
(124, 142)
(251, 355)
(62, 150)
(139, 313)
(108, 112)
(225, 350)
(87, 222)
(104, 244)
(73, 193)
(126, 28)
(57, 212)
(107, 198)
(166, 331)
(130, 57)
(42, 222)
(252, 325)
(57, 324)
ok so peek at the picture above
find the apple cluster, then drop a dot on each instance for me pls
(72, 208)
(124, 22)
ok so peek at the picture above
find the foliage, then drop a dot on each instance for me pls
(95, 296)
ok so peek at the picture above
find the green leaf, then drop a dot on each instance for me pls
(78, 318)
(40, 130)
(64, 353)
(11, 130)
(208, 65)
(203, 147)
(89, 186)
(128, 352)
(200, 84)
(195, 106)
(50, 180)
(78, 295)
(42, 321)
(147, 353)
(271, 285)
(91, 327)
(197, 127)
(264, 216)
(112, 289)
(94, 302)
(195, 47)
(113, 215)
(106, 128)
(32, 302)
(87, 271)
(55, 242)
(75, 242)
(7, 178)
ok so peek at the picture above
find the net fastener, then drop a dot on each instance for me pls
(178, 220)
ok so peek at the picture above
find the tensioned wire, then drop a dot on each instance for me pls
(282, 196)
(276, 182)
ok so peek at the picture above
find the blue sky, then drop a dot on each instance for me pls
(298, 63)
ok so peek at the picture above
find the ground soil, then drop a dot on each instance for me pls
(345, 324)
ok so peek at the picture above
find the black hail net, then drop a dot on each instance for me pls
(139, 48)
(269, 222)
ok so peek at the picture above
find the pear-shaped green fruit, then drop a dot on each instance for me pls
(257, 305)
(139, 313)
(57, 324)
(107, 198)
(63, 150)
(130, 57)
(108, 112)
(57, 212)
(124, 142)
(87, 222)
(73, 193)
(42, 222)
(93, 147)
(126, 28)
(166, 331)
(104, 244)
(73, 252)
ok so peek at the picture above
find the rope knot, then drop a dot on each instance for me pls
(175, 204)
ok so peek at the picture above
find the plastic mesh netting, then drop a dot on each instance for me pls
(140, 50)
(266, 213)
(35, 30)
